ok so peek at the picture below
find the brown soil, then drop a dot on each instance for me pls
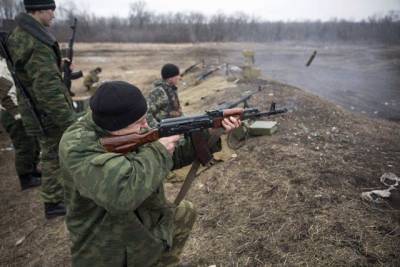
(289, 199)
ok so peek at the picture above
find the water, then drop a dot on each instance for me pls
(360, 78)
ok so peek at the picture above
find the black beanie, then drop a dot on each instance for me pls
(117, 104)
(169, 71)
(32, 5)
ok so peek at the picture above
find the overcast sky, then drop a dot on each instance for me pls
(266, 9)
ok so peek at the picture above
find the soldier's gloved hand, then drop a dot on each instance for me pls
(170, 142)
(230, 123)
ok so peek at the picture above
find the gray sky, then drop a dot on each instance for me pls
(266, 9)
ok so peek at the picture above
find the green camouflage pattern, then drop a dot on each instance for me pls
(90, 81)
(7, 89)
(185, 216)
(52, 189)
(6, 101)
(117, 212)
(38, 67)
(37, 61)
(26, 147)
(162, 103)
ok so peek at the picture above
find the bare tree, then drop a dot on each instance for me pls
(138, 14)
(10, 8)
(143, 25)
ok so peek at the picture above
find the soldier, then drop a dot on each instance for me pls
(163, 100)
(26, 147)
(37, 58)
(118, 214)
(91, 80)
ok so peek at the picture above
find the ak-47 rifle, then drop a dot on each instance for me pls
(186, 71)
(233, 104)
(208, 73)
(182, 125)
(68, 74)
(27, 98)
(186, 125)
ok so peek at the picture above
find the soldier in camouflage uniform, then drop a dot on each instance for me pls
(91, 80)
(163, 101)
(118, 214)
(37, 59)
(26, 147)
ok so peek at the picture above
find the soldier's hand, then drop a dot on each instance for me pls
(230, 123)
(66, 60)
(170, 142)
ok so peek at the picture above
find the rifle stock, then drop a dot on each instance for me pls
(130, 142)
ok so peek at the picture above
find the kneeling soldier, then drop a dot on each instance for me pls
(117, 212)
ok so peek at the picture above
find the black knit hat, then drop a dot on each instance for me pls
(169, 71)
(32, 5)
(117, 104)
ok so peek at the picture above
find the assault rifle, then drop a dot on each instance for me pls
(204, 76)
(27, 98)
(68, 74)
(186, 71)
(243, 100)
(182, 125)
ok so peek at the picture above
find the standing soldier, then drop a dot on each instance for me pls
(26, 147)
(163, 100)
(37, 60)
(91, 80)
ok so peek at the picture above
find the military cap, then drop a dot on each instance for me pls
(32, 5)
(117, 104)
(169, 71)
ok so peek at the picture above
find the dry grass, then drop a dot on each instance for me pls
(290, 199)
(293, 199)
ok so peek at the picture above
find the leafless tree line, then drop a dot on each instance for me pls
(143, 25)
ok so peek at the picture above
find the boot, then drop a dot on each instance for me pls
(28, 181)
(52, 210)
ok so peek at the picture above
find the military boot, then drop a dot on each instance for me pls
(28, 181)
(52, 210)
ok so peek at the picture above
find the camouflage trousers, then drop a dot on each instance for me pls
(26, 147)
(185, 216)
(52, 188)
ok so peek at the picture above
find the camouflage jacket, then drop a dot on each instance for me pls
(37, 61)
(163, 102)
(7, 90)
(116, 206)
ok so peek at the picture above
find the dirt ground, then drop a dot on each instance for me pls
(288, 199)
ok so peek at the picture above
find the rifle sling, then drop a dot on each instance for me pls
(191, 176)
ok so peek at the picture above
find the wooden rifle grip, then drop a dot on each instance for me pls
(230, 112)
